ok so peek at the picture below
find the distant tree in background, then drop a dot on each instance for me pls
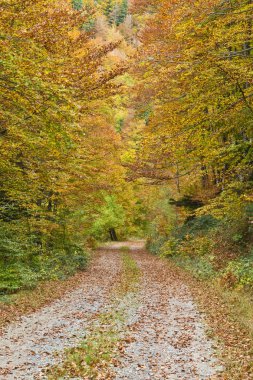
(123, 10)
(115, 12)
(110, 217)
(108, 8)
(77, 4)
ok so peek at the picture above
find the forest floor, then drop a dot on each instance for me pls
(132, 317)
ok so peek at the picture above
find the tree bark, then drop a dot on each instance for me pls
(113, 234)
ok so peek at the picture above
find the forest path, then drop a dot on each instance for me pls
(162, 335)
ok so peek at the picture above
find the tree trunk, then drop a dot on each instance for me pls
(113, 234)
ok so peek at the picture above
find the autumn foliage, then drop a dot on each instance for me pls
(193, 110)
(58, 148)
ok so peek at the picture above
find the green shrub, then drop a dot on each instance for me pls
(61, 263)
(198, 225)
(16, 277)
(169, 248)
(154, 245)
(24, 260)
(196, 246)
(200, 267)
(238, 273)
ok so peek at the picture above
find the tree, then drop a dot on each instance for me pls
(123, 10)
(77, 4)
(108, 7)
(58, 149)
(195, 74)
(111, 216)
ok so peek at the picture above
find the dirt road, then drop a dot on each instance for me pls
(166, 336)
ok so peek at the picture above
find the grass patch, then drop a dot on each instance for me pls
(240, 307)
(124, 249)
(5, 300)
(92, 359)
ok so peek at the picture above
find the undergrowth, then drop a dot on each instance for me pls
(25, 259)
(214, 244)
(211, 247)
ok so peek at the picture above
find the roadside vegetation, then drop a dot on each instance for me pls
(217, 251)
